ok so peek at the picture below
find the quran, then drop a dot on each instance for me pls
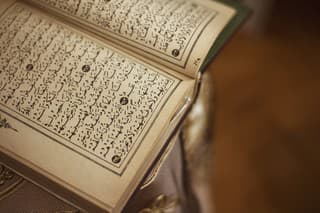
(92, 90)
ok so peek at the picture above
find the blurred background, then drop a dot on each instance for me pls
(266, 119)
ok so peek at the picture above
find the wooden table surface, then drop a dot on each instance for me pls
(267, 121)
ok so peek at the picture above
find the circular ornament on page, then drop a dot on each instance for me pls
(86, 68)
(116, 159)
(29, 67)
(175, 52)
(124, 101)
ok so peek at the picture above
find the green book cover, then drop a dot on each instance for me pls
(242, 13)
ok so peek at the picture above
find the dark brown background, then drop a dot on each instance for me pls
(267, 118)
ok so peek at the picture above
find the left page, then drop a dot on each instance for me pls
(174, 33)
(71, 107)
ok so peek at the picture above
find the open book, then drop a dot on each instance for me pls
(92, 90)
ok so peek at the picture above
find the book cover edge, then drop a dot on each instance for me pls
(242, 14)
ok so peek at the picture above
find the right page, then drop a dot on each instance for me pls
(174, 33)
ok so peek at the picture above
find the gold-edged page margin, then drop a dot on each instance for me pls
(195, 53)
(69, 168)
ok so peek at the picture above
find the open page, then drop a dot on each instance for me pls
(78, 110)
(174, 33)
